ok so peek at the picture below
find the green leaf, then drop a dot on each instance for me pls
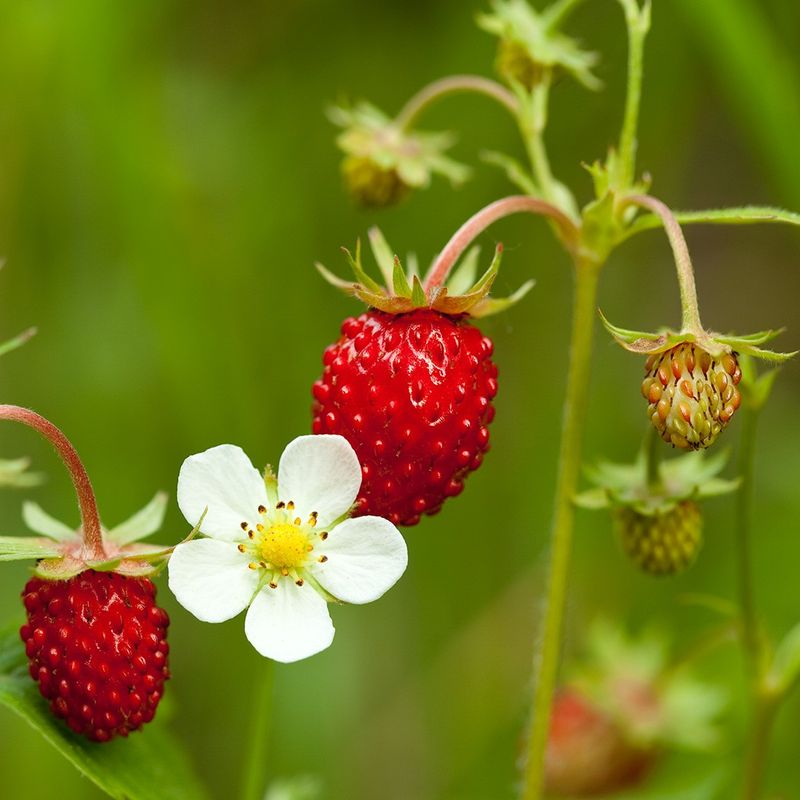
(785, 668)
(39, 521)
(143, 523)
(746, 215)
(16, 548)
(382, 252)
(149, 765)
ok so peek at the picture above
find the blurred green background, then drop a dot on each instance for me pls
(168, 177)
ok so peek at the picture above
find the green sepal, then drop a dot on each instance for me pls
(418, 296)
(13, 472)
(334, 280)
(39, 521)
(399, 280)
(358, 270)
(17, 548)
(142, 524)
(495, 305)
(465, 274)
(59, 569)
(382, 253)
(748, 344)
(644, 342)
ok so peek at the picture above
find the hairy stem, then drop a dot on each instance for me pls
(638, 22)
(254, 785)
(90, 520)
(690, 311)
(532, 127)
(455, 84)
(546, 658)
(475, 225)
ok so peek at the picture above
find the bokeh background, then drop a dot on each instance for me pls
(167, 179)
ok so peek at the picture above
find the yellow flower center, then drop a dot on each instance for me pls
(284, 546)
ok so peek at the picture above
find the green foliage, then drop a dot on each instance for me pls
(150, 765)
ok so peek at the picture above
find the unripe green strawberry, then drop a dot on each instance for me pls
(371, 185)
(691, 395)
(663, 543)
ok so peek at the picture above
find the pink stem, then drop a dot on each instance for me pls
(478, 223)
(90, 520)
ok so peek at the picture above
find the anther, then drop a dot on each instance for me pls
(260, 528)
(323, 535)
(312, 520)
(309, 548)
(284, 571)
(280, 505)
(253, 565)
(322, 559)
(262, 564)
(251, 534)
(273, 585)
(241, 548)
(290, 506)
(262, 510)
(299, 582)
(297, 521)
(243, 525)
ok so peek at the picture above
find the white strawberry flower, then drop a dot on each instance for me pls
(281, 547)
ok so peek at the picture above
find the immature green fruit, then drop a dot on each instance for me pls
(691, 395)
(371, 185)
(663, 543)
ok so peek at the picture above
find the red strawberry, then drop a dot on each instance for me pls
(412, 394)
(410, 384)
(587, 751)
(97, 647)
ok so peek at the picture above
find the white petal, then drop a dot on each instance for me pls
(289, 623)
(366, 557)
(223, 480)
(319, 473)
(211, 579)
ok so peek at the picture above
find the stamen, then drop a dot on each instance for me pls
(250, 534)
(262, 510)
(244, 526)
(297, 521)
(253, 565)
(260, 528)
(280, 505)
(323, 535)
(322, 559)
(309, 548)
(273, 585)
(290, 505)
(284, 572)
(262, 564)
(299, 581)
(312, 520)
(241, 548)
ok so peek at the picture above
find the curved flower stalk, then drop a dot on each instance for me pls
(281, 546)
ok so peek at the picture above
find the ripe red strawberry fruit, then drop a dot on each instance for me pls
(588, 752)
(410, 385)
(412, 393)
(95, 638)
(96, 645)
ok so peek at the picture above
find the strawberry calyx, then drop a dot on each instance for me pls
(61, 552)
(402, 291)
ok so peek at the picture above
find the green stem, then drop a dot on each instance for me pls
(638, 22)
(547, 656)
(756, 759)
(254, 786)
(690, 311)
(455, 84)
(532, 126)
(653, 452)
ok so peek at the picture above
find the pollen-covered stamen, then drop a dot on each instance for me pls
(691, 396)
